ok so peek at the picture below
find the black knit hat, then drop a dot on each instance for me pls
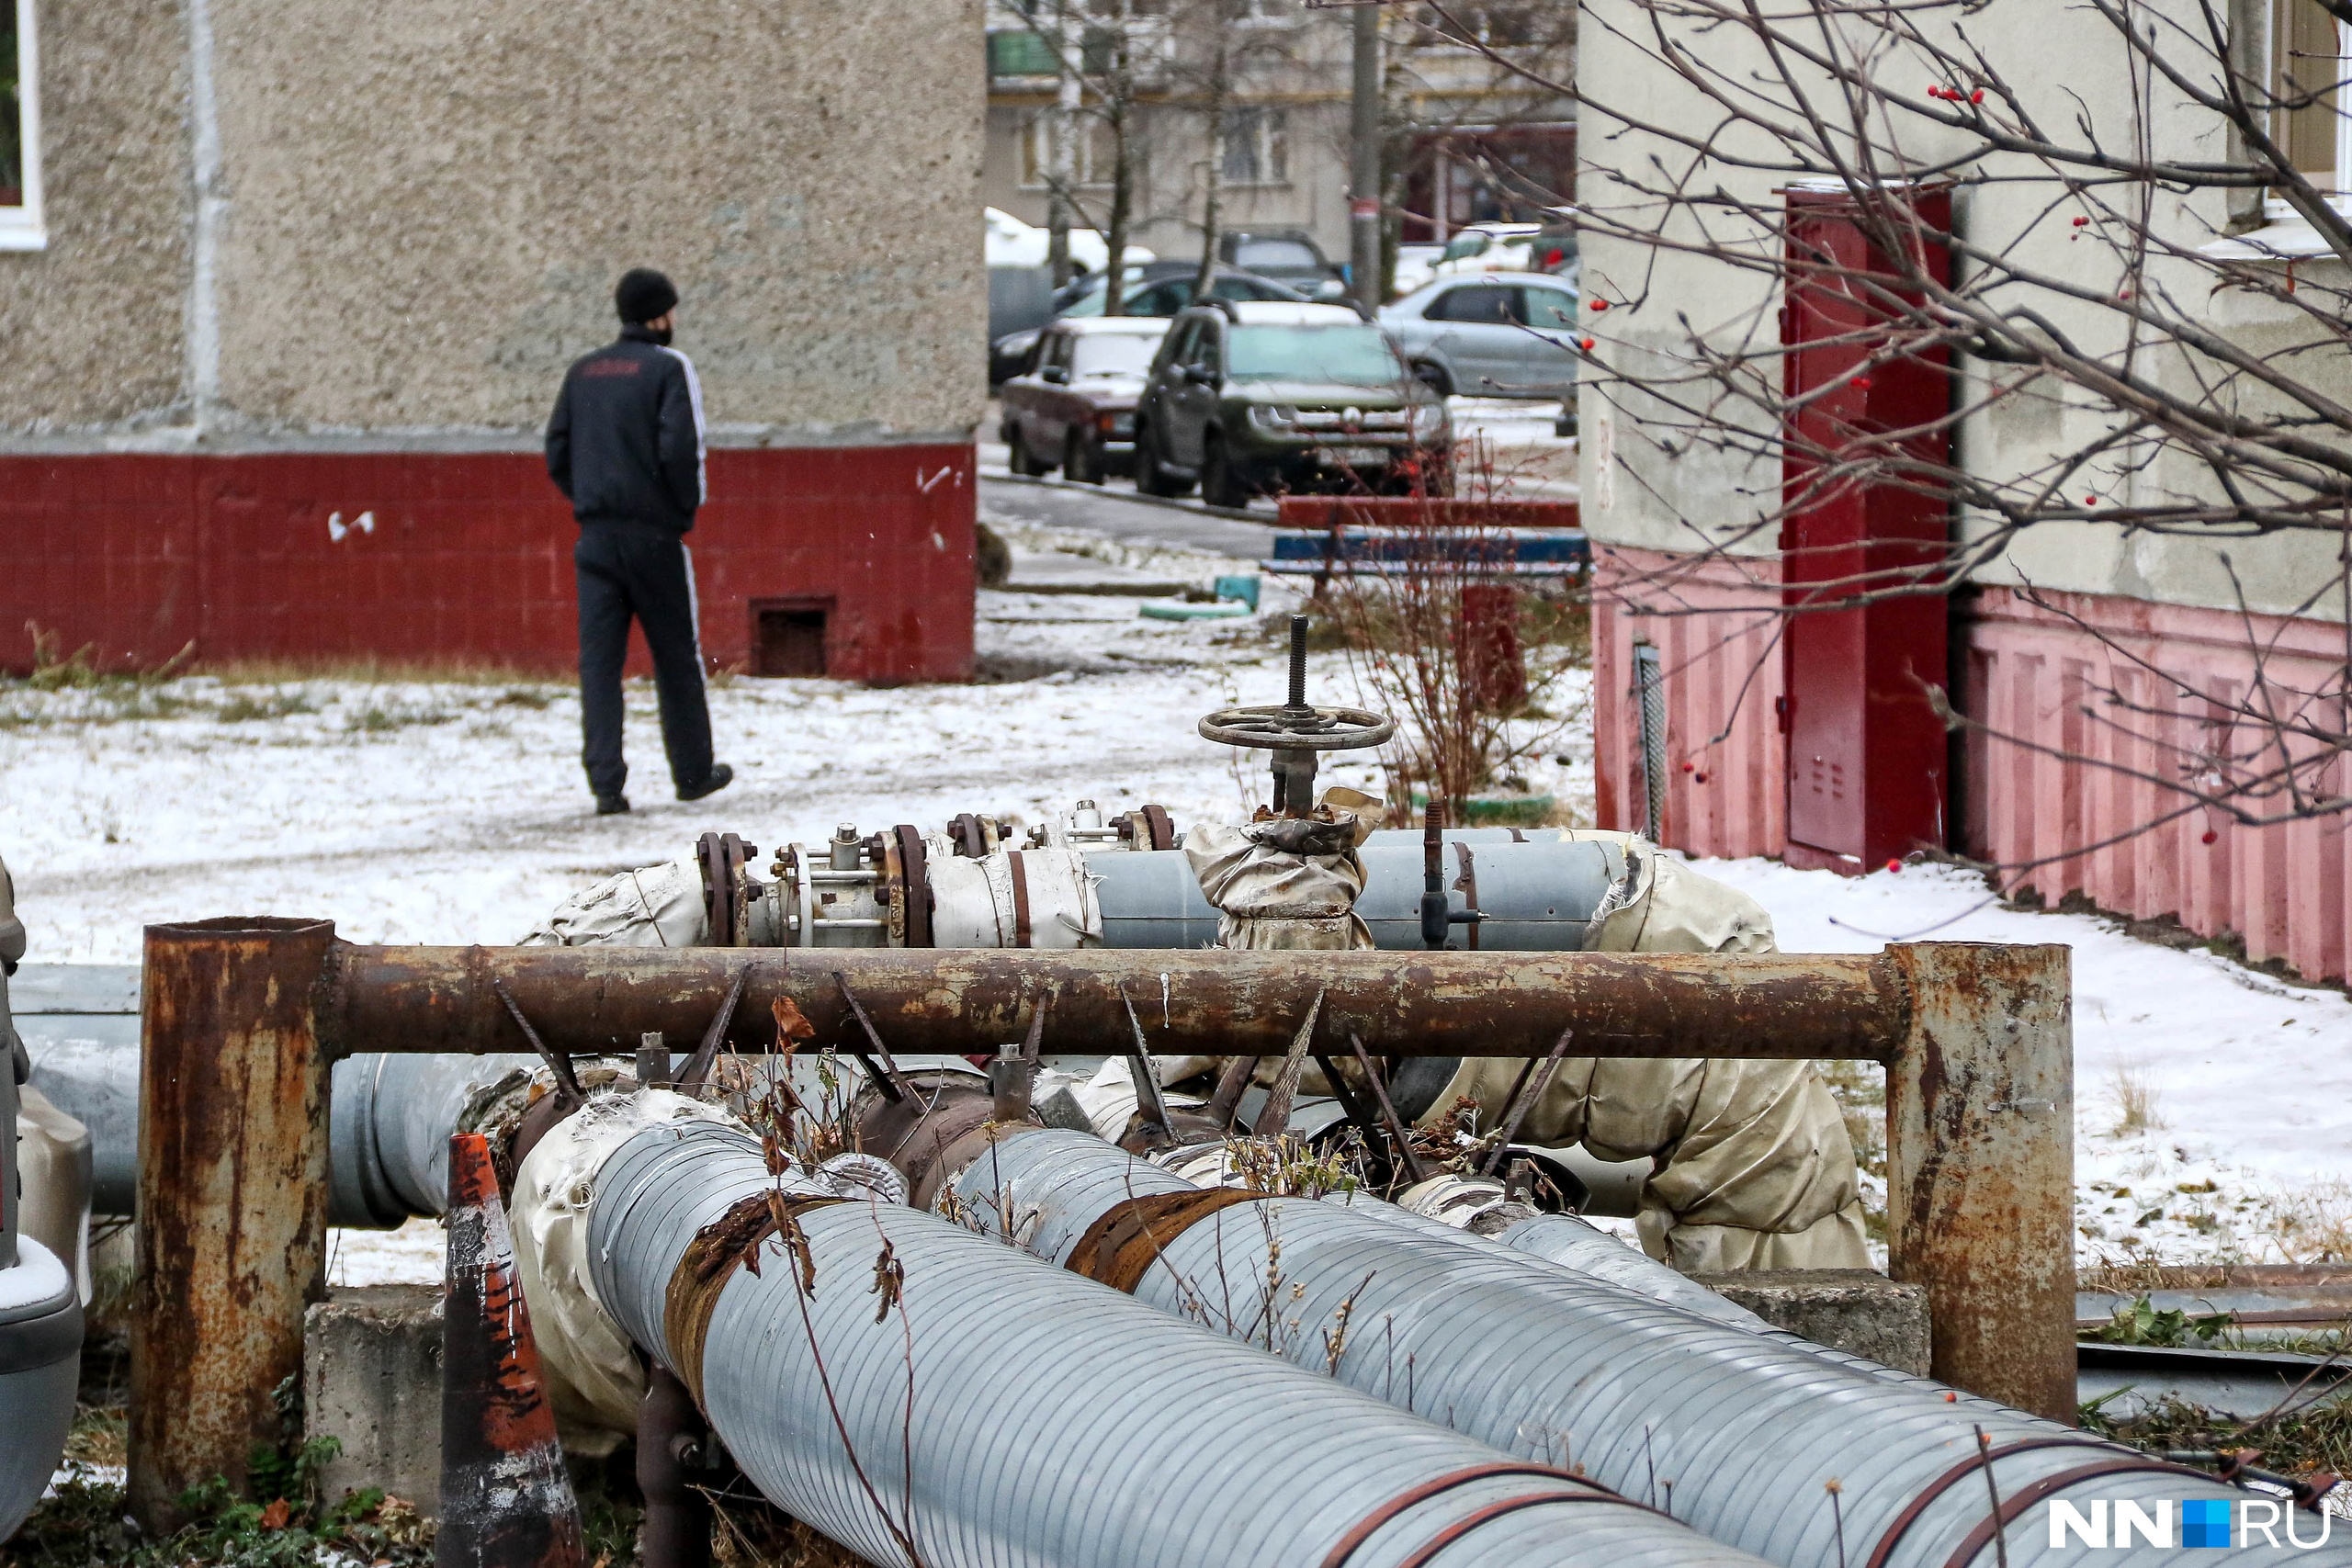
(643, 294)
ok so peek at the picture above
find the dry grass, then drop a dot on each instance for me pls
(2138, 1107)
(752, 1533)
(2313, 1224)
(368, 669)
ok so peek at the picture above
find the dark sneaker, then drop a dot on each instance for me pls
(612, 806)
(718, 778)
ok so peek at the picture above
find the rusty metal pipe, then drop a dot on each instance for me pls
(956, 1002)
(232, 1196)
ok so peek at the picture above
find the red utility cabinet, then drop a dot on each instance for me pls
(1865, 431)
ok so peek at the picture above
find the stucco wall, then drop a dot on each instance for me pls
(1647, 486)
(426, 205)
(90, 329)
(429, 203)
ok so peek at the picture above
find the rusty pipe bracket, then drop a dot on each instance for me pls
(1148, 1099)
(1515, 1114)
(1415, 1171)
(567, 1082)
(706, 1057)
(886, 1073)
(1010, 1077)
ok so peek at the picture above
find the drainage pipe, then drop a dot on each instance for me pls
(1744, 1432)
(956, 1427)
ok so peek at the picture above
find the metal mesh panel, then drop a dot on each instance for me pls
(1649, 695)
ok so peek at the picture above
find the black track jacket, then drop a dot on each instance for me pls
(626, 443)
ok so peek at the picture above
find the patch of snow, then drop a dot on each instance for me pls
(415, 1254)
(2247, 1079)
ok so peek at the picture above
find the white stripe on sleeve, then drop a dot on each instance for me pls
(693, 396)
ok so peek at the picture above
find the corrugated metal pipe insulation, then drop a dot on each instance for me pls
(1736, 1433)
(938, 1395)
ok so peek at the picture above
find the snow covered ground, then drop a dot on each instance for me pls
(2213, 1103)
(455, 812)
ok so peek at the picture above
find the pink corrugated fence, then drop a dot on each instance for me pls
(2063, 792)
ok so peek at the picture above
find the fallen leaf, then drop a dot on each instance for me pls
(790, 1024)
(276, 1515)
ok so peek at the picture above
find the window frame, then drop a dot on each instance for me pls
(2320, 133)
(1264, 129)
(22, 227)
(1034, 153)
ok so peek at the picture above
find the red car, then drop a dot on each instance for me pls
(1074, 408)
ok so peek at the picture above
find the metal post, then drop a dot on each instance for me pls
(232, 1195)
(1364, 161)
(1980, 1162)
(670, 1443)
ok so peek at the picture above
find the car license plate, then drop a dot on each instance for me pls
(1352, 456)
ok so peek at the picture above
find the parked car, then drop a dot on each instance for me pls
(1510, 247)
(1075, 410)
(1286, 256)
(1011, 242)
(1159, 288)
(1495, 335)
(1414, 268)
(1248, 397)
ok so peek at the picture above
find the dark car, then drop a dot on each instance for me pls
(1246, 397)
(1159, 288)
(1286, 256)
(1077, 408)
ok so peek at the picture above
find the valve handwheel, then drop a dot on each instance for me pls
(1296, 729)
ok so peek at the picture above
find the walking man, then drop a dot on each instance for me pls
(626, 448)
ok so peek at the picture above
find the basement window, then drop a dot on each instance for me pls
(788, 637)
(20, 215)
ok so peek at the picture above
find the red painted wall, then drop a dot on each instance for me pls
(470, 556)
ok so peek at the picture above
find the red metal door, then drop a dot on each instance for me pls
(1865, 519)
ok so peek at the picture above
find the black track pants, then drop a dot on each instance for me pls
(643, 573)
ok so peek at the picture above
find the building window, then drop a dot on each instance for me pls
(1016, 52)
(1257, 146)
(1094, 160)
(2308, 49)
(20, 228)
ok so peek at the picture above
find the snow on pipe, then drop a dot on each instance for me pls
(952, 1424)
(1739, 1434)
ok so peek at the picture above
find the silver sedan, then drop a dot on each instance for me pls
(1499, 334)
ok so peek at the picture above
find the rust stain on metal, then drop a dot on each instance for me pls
(1121, 1244)
(233, 1188)
(937, 1127)
(728, 1243)
(1221, 1003)
(1980, 1134)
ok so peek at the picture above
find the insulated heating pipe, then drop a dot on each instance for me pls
(990, 1412)
(1733, 1432)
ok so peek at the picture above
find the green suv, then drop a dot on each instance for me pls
(1246, 396)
